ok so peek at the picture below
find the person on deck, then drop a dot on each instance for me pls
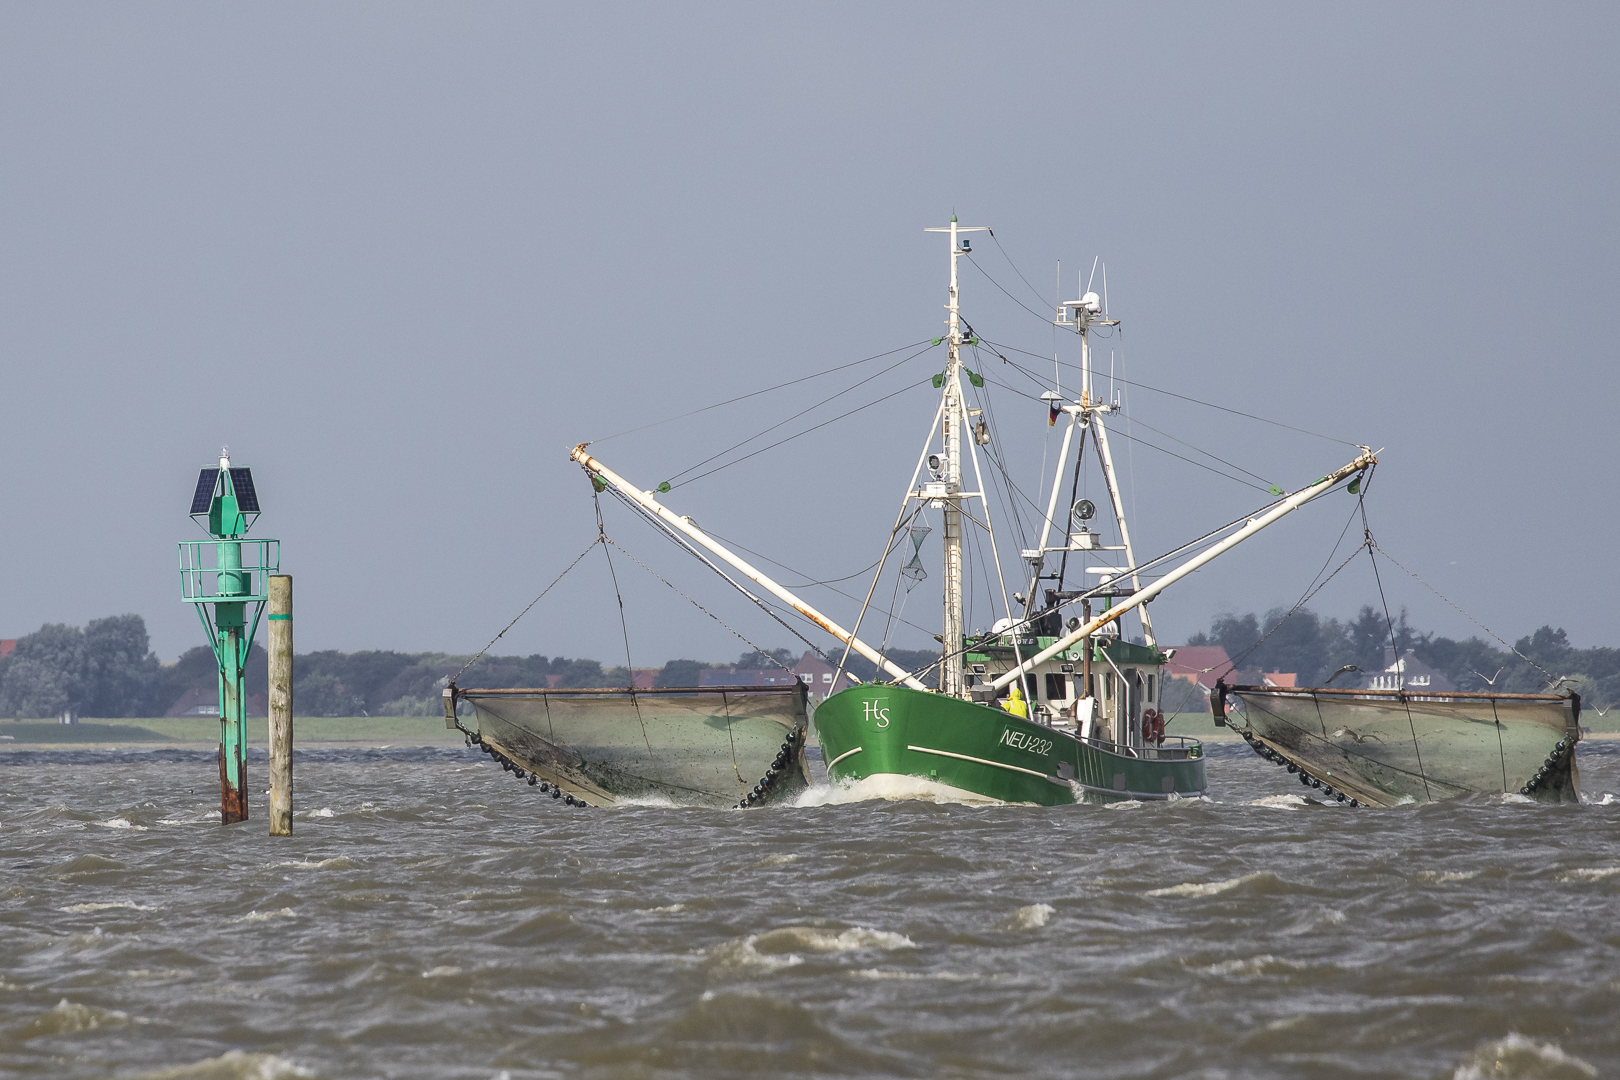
(1015, 703)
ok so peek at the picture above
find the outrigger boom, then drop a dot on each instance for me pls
(1287, 506)
(687, 527)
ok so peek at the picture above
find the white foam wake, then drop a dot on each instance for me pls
(262, 916)
(1518, 1056)
(1264, 964)
(780, 948)
(892, 787)
(1030, 917)
(121, 823)
(231, 1065)
(1212, 888)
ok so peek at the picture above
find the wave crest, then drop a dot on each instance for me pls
(232, 1065)
(1519, 1058)
(1259, 881)
(781, 947)
(1030, 917)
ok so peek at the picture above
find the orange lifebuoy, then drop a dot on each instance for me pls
(1152, 726)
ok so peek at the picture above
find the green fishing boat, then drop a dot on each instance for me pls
(1052, 704)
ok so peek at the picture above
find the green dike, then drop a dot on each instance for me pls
(49, 731)
(395, 730)
(874, 730)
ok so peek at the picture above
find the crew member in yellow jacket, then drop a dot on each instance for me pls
(1015, 704)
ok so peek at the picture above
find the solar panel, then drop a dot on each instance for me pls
(247, 499)
(203, 497)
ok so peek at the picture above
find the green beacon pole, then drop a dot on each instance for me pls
(231, 574)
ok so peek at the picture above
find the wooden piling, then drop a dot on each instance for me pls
(281, 702)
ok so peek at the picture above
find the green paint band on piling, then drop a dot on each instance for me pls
(280, 617)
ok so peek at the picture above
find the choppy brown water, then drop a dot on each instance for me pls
(434, 918)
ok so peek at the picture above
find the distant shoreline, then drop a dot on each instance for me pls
(348, 732)
(178, 733)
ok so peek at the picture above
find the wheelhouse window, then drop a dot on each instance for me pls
(1057, 688)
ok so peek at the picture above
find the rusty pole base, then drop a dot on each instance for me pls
(233, 803)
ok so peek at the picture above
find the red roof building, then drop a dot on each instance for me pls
(1202, 664)
(811, 669)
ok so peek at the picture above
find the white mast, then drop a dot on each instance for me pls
(1082, 315)
(950, 669)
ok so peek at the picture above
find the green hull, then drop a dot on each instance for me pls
(892, 731)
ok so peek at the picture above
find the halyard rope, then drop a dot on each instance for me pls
(525, 611)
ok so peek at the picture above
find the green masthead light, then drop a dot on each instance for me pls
(233, 575)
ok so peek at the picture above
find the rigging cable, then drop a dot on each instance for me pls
(1394, 647)
(1042, 382)
(1173, 552)
(624, 626)
(525, 611)
(796, 416)
(1467, 616)
(1015, 269)
(993, 452)
(627, 554)
(706, 561)
(790, 438)
(754, 394)
(1132, 419)
(895, 598)
(1004, 292)
(784, 566)
(1171, 393)
(1310, 592)
(1144, 442)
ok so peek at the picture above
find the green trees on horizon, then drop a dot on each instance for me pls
(1315, 647)
(107, 668)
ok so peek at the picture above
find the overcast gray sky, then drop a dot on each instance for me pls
(401, 257)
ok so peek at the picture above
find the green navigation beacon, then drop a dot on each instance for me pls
(232, 574)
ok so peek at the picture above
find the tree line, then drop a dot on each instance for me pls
(689, 672)
(1315, 647)
(107, 667)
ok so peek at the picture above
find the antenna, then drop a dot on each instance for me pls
(1057, 283)
(1093, 276)
(1105, 290)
